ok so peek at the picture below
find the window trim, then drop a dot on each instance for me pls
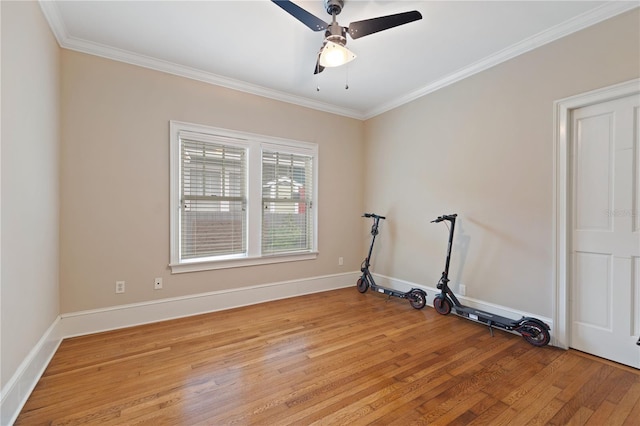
(255, 144)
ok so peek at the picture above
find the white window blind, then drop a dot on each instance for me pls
(287, 194)
(213, 199)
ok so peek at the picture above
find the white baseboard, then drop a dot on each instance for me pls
(98, 320)
(17, 390)
(15, 393)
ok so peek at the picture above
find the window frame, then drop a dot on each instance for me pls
(254, 144)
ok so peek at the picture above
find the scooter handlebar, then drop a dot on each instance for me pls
(373, 215)
(445, 217)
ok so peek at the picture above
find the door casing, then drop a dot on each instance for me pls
(561, 179)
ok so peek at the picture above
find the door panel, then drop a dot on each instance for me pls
(593, 295)
(604, 293)
(594, 172)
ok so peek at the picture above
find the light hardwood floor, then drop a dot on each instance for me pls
(338, 357)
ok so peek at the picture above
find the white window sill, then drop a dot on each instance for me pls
(180, 268)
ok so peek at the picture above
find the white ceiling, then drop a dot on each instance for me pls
(256, 47)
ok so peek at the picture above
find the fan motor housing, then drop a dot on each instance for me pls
(333, 6)
(336, 32)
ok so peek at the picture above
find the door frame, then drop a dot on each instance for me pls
(562, 179)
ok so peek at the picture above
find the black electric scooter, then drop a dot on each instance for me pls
(533, 330)
(417, 297)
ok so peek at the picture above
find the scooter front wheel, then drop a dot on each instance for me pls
(442, 305)
(363, 285)
(534, 333)
(418, 299)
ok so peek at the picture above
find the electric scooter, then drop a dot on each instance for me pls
(533, 330)
(417, 297)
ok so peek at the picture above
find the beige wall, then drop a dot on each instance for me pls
(115, 181)
(484, 148)
(30, 195)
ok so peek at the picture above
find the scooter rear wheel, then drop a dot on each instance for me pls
(442, 305)
(534, 333)
(363, 285)
(417, 299)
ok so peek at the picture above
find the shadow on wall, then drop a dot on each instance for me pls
(460, 248)
(392, 236)
(489, 257)
(506, 237)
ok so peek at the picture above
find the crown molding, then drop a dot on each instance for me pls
(53, 17)
(580, 22)
(195, 74)
(587, 19)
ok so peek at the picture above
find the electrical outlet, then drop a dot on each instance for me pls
(463, 290)
(340, 261)
(157, 284)
(119, 286)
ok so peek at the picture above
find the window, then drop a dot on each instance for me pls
(239, 199)
(213, 198)
(286, 213)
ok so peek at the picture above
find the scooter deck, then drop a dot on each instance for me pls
(389, 292)
(485, 317)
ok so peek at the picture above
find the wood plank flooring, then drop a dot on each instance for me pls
(332, 358)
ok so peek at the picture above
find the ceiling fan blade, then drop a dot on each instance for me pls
(319, 68)
(310, 20)
(369, 26)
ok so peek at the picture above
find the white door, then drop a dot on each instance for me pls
(605, 237)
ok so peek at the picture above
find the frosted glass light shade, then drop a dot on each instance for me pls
(334, 55)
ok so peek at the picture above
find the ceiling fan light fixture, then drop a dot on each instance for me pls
(334, 55)
(333, 52)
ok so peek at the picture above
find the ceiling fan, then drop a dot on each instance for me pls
(333, 51)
